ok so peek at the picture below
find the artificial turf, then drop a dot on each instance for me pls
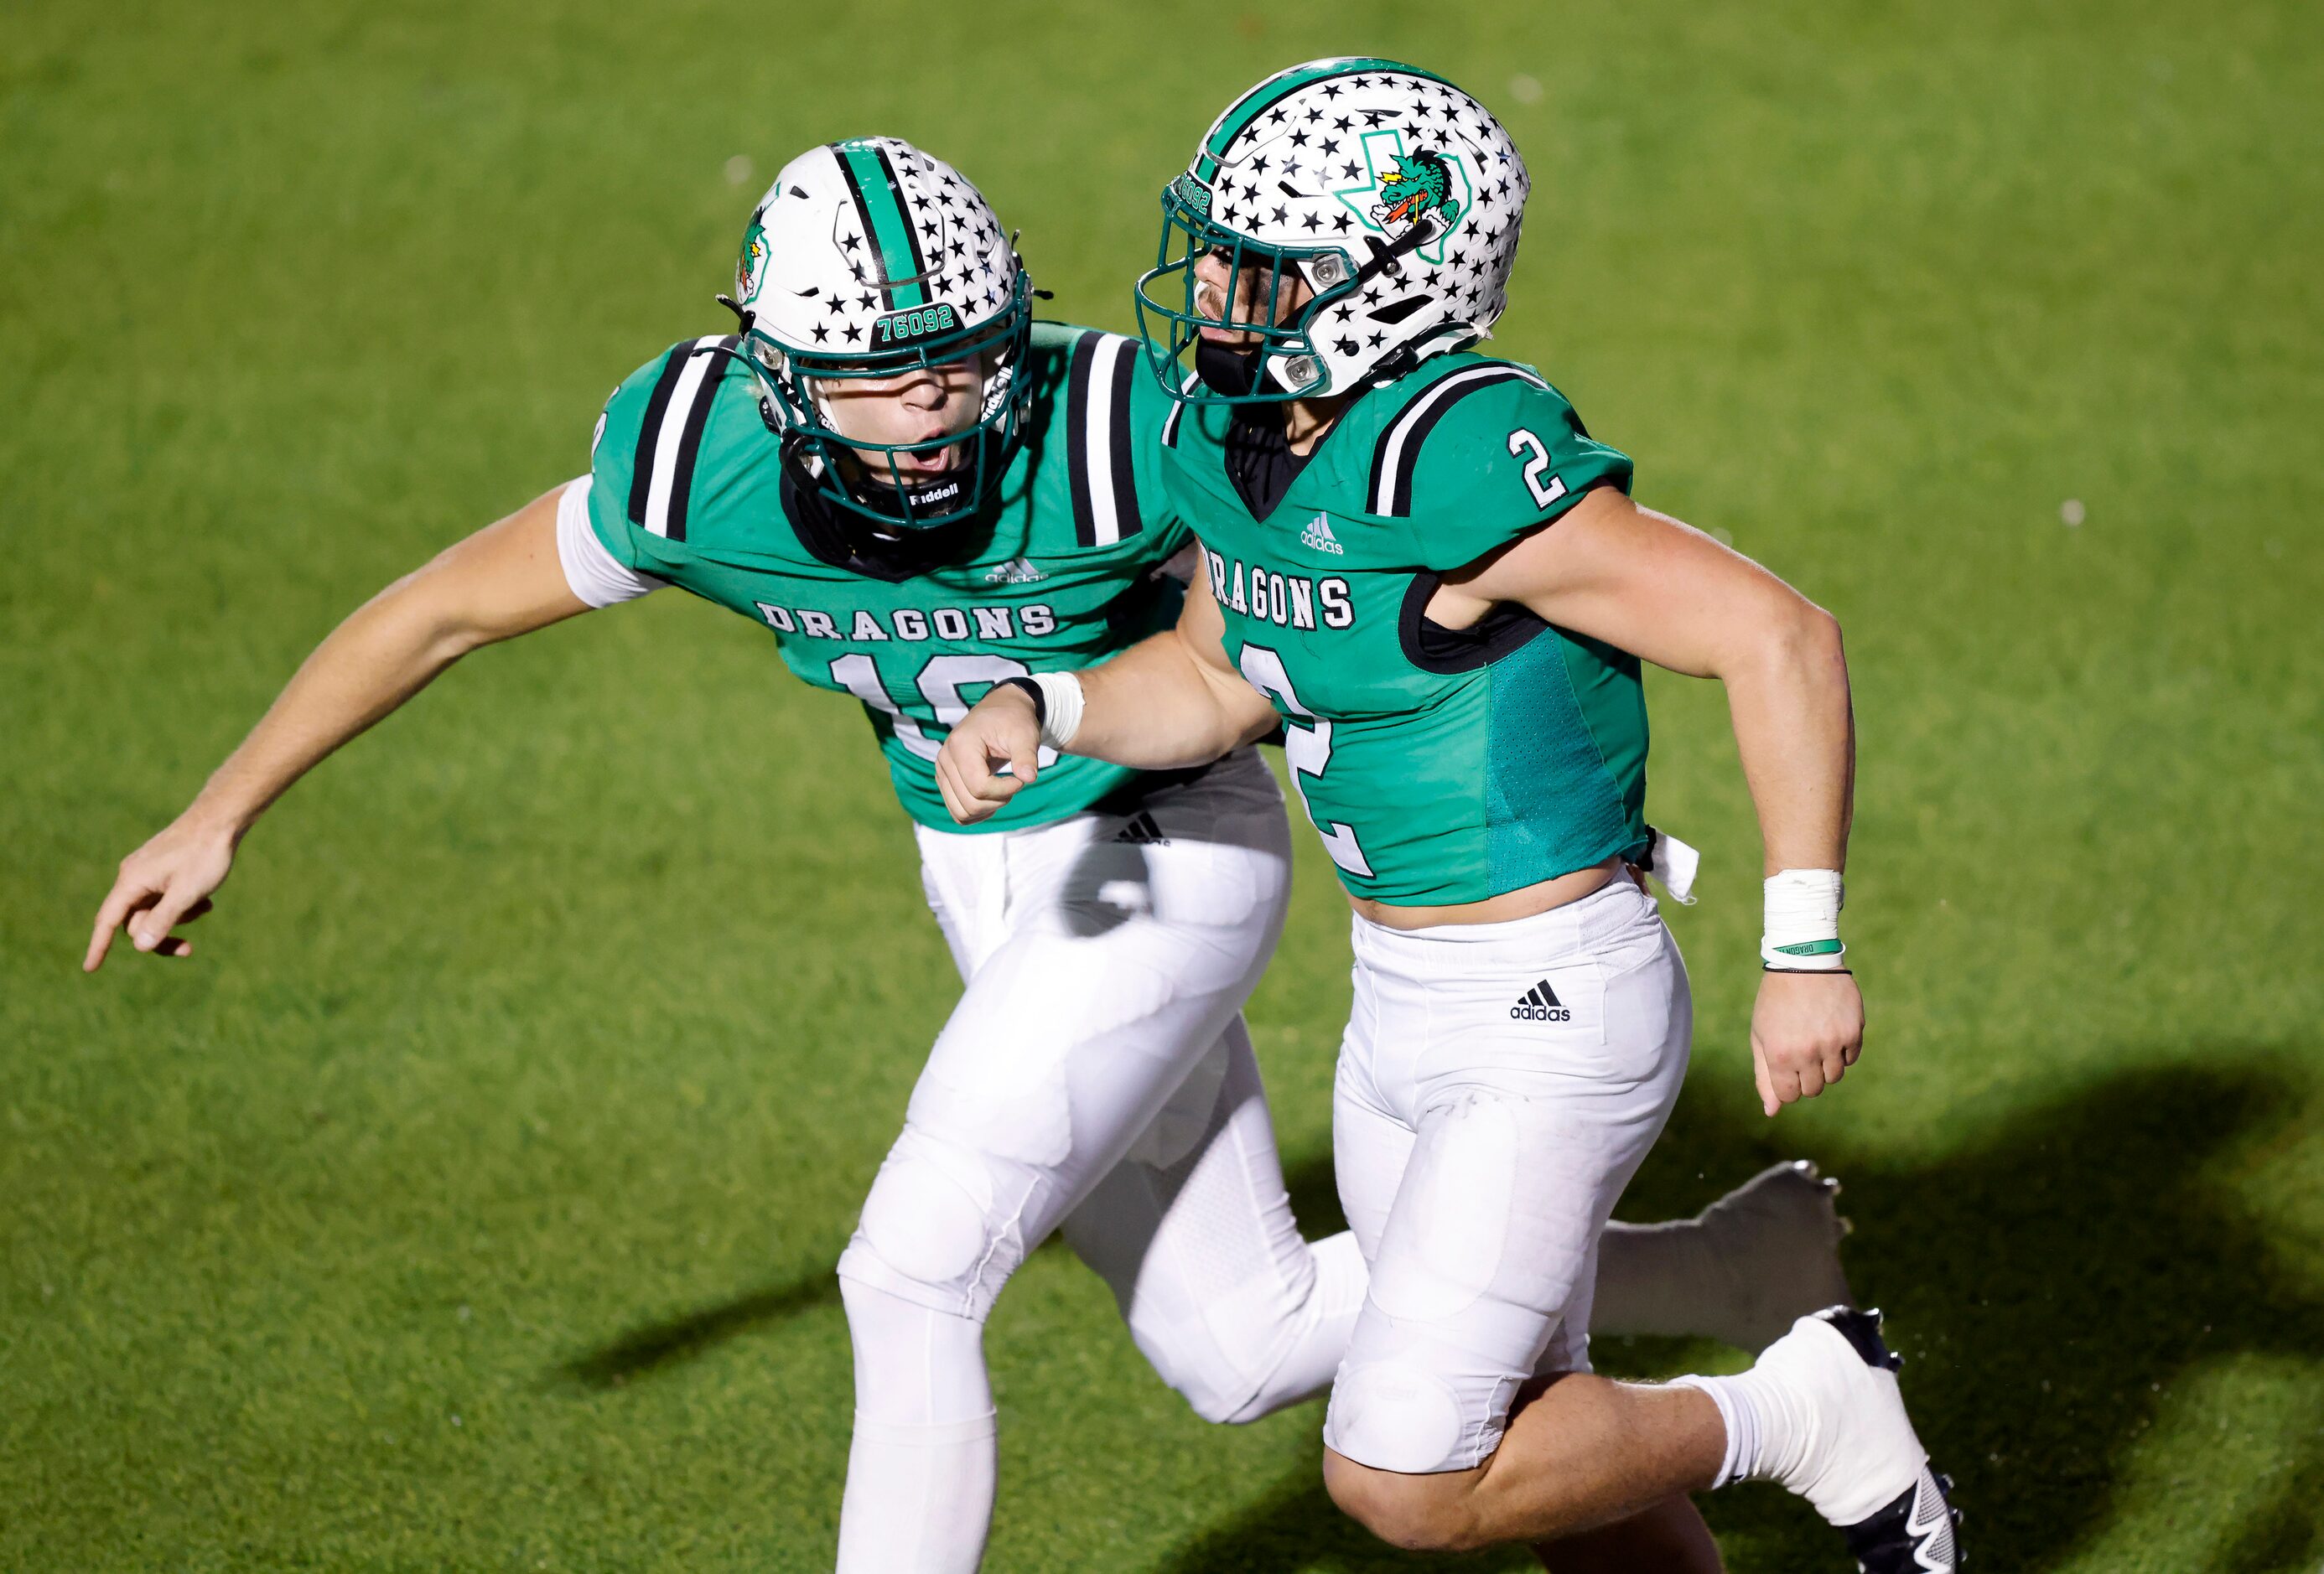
(469, 1200)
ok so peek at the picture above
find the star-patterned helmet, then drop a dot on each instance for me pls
(1394, 195)
(867, 259)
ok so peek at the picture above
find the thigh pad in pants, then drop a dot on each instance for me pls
(1485, 1260)
(1483, 1265)
(1122, 963)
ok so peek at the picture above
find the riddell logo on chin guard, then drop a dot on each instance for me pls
(1540, 1004)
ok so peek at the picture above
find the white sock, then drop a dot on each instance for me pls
(1818, 1418)
(1764, 1433)
(921, 1469)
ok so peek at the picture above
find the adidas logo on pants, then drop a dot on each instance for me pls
(1539, 1004)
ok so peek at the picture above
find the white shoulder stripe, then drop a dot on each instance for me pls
(1177, 409)
(689, 388)
(1097, 442)
(1391, 462)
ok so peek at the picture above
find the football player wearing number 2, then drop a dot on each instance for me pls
(1420, 566)
(919, 491)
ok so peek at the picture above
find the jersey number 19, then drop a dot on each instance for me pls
(940, 683)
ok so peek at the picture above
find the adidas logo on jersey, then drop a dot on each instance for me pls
(1318, 537)
(1016, 571)
(1540, 1004)
(1141, 831)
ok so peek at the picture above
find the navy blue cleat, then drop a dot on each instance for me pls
(1920, 1532)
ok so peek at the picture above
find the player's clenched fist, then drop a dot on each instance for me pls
(991, 756)
(163, 884)
(1806, 1030)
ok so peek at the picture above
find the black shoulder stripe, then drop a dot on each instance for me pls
(649, 433)
(1077, 391)
(1101, 453)
(690, 442)
(670, 440)
(1127, 521)
(1397, 454)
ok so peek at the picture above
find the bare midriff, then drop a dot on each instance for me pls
(1522, 903)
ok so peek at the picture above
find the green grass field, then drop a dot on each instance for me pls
(469, 1200)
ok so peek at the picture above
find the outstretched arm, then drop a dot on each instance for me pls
(1170, 700)
(1670, 594)
(505, 580)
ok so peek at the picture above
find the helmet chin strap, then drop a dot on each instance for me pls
(743, 315)
(1227, 370)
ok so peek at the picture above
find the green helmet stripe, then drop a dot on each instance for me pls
(880, 203)
(1267, 94)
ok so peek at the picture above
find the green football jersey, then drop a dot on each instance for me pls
(687, 486)
(1439, 767)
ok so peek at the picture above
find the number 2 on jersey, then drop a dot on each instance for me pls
(1308, 749)
(1523, 442)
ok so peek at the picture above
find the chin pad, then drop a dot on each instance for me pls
(1227, 370)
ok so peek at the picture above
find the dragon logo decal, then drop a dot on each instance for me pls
(1396, 186)
(1418, 182)
(751, 267)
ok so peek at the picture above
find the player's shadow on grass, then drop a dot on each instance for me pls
(2050, 1286)
(2090, 1244)
(656, 1345)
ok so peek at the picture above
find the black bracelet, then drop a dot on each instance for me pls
(1040, 700)
(1807, 971)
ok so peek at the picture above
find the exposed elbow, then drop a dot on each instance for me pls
(1807, 639)
(1789, 643)
(1823, 635)
(412, 620)
(450, 644)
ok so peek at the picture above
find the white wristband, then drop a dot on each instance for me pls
(1061, 707)
(1802, 929)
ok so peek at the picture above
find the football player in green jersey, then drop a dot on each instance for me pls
(1459, 686)
(916, 491)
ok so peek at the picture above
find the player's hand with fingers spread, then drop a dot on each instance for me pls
(1806, 1030)
(505, 580)
(1004, 730)
(163, 884)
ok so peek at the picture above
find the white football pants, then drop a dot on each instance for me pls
(1498, 1087)
(1095, 1077)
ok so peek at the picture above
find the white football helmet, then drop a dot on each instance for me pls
(1393, 194)
(865, 258)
